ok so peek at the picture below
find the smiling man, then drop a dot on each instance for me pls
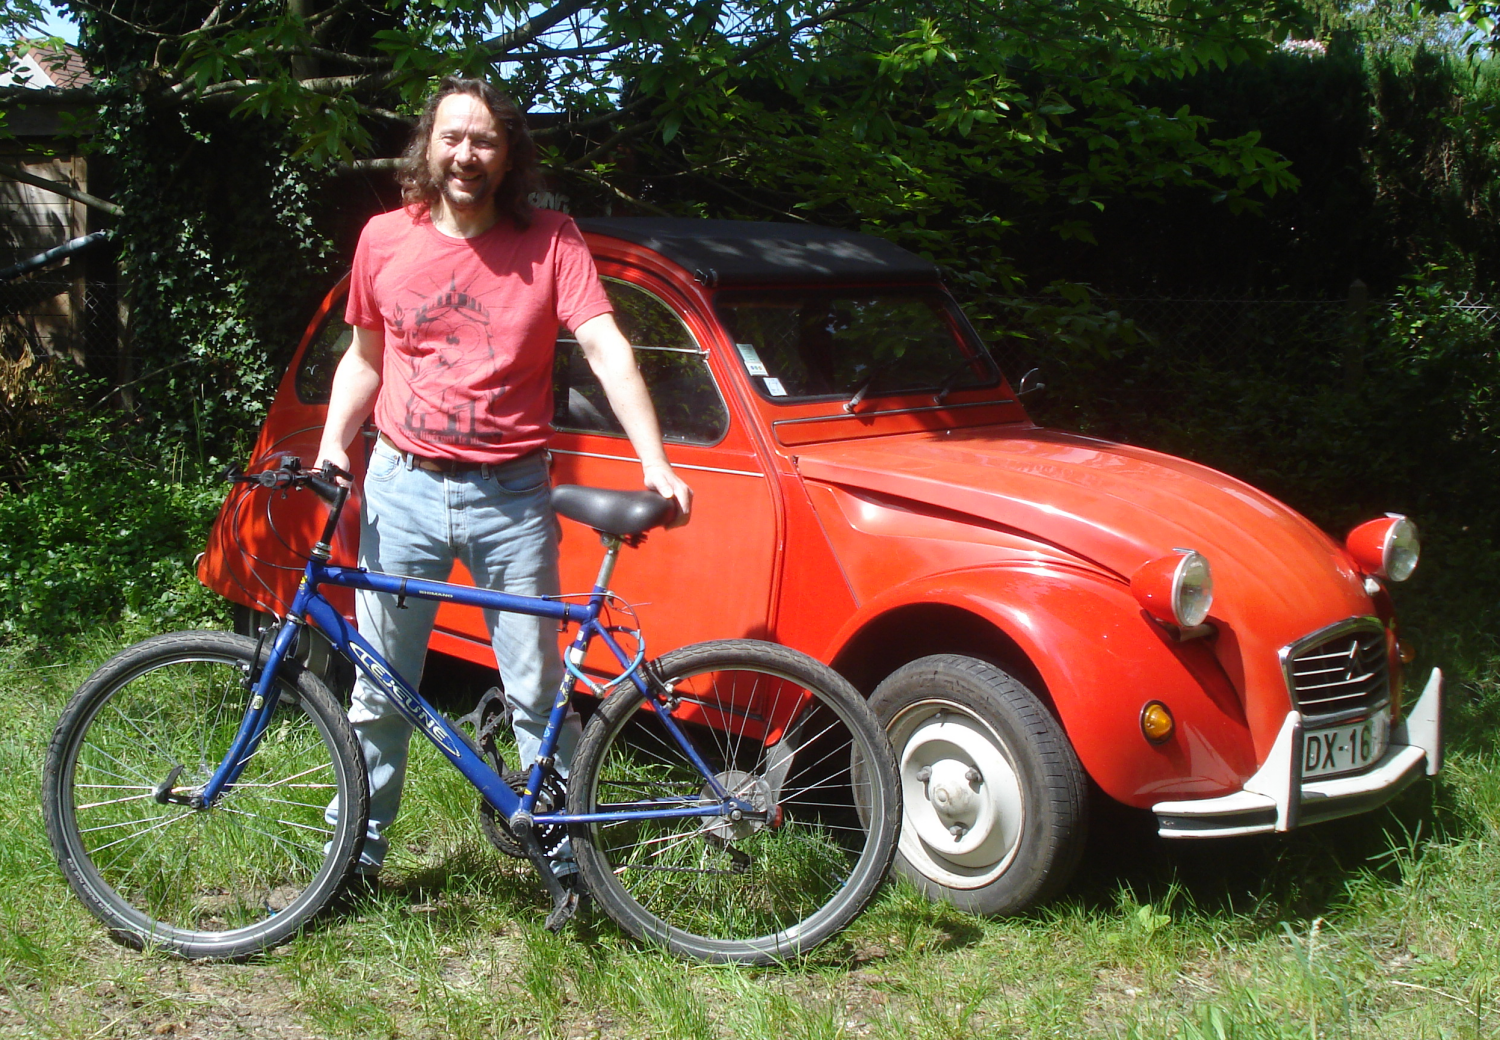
(455, 300)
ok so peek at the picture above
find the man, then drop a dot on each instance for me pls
(455, 301)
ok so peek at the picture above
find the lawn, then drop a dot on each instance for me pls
(1380, 926)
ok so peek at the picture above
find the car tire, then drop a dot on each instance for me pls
(994, 819)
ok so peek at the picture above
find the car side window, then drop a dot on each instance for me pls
(315, 374)
(675, 369)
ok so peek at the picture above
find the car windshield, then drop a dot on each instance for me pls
(848, 343)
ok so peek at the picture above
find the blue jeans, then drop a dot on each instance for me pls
(498, 521)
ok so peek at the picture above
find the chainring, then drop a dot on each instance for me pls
(497, 829)
(488, 718)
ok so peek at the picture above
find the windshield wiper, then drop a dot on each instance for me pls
(951, 379)
(863, 388)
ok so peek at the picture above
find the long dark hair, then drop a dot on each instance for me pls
(419, 191)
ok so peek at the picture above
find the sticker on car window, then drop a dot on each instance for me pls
(774, 387)
(753, 364)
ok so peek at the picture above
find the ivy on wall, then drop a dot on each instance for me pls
(225, 258)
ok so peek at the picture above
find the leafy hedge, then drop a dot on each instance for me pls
(96, 535)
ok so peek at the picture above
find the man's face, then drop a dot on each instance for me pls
(468, 153)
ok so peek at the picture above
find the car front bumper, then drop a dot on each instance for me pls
(1277, 798)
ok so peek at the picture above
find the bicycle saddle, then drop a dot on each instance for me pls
(622, 513)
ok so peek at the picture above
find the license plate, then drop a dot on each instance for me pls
(1343, 749)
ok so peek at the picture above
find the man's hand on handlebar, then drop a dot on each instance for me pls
(339, 459)
(327, 481)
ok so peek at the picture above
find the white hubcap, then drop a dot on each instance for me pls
(964, 807)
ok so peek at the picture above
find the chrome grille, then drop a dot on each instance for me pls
(1343, 668)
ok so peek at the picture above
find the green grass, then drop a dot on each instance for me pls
(1381, 926)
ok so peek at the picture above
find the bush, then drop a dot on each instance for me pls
(95, 535)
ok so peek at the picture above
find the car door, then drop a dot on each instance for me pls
(708, 580)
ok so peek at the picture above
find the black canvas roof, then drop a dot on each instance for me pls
(745, 252)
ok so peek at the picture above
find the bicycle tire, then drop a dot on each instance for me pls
(785, 732)
(224, 882)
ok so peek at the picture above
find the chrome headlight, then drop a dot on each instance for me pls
(1176, 589)
(1387, 548)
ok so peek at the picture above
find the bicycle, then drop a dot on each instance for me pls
(734, 801)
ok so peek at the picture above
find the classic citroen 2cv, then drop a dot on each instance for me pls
(1025, 608)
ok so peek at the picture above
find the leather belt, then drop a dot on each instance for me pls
(447, 465)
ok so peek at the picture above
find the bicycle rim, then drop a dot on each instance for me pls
(229, 880)
(776, 729)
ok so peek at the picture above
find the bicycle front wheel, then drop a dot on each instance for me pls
(775, 729)
(140, 738)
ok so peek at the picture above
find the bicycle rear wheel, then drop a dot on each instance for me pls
(146, 731)
(777, 729)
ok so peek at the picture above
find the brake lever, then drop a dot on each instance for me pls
(332, 473)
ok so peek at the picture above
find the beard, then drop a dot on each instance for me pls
(475, 196)
(467, 198)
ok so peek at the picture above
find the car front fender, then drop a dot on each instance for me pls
(1101, 661)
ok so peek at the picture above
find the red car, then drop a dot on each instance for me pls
(1025, 608)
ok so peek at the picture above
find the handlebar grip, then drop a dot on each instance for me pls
(326, 490)
(326, 483)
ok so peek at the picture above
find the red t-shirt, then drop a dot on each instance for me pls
(470, 325)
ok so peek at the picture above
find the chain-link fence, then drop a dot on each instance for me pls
(61, 307)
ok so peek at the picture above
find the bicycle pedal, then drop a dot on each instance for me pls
(564, 910)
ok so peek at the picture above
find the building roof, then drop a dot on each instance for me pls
(50, 68)
(745, 252)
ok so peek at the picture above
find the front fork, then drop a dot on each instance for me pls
(264, 694)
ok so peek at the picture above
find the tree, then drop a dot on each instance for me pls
(973, 89)
(227, 120)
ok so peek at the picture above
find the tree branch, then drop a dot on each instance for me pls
(618, 137)
(593, 121)
(622, 194)
(321, 85)
(50, 95)
(366, 166)
(213, 17)
(65, 190)
(534, 27)
(105, 12)
(321, 24)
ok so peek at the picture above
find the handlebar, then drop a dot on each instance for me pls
(290, 474)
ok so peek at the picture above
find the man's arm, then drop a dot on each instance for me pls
(613, 361)
(355, 383)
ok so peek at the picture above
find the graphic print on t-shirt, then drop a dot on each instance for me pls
(449, 354)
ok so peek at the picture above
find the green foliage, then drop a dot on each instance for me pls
(225, 259)
(1393, 143)
(937, 130)
(95, 535)
(1402, 417)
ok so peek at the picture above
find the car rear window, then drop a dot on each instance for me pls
(315, 374)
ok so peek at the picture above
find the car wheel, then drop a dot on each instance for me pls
(994, 817)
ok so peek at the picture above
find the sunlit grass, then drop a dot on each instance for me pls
(1382, 926)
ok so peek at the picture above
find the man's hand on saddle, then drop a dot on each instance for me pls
(663, 479)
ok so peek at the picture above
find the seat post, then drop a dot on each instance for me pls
(611, 544)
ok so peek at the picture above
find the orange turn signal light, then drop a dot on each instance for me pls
(1406, 650)
(1157, 723)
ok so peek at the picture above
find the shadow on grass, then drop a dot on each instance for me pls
(1265, 879)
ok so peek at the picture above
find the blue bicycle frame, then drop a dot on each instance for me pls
(309, 605)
